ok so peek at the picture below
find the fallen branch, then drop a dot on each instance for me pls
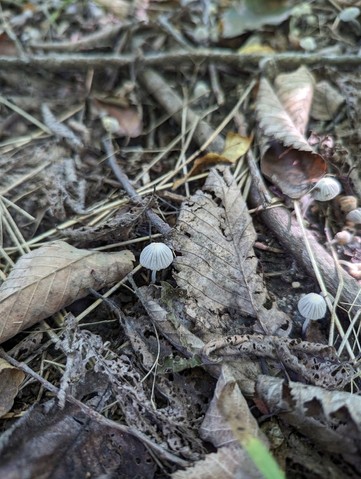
(173, 59)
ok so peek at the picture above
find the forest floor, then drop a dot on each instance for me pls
(201, 128)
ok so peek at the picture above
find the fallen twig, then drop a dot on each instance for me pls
(177, 57)
(134, 197)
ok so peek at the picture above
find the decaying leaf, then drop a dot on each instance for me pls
(226, 463)
(316, 363)
(283, 113)
(127, 119)
(119, 8)
(332, 420)
(216, 264)
(10, 380)
(288, 160)
(54, 443)
(52, 277)
(235, 147)
(168, 320)
(251, 15)
(220, 424)
(293, 171)
(326, 102)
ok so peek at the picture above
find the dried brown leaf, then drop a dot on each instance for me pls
(295, 91)
(165, 313)
(216, 264)
(128, 118)
(293, 171)
(283, 114)
(288, 160)
(119, 8)
(217, 430)
(331, 419)
(53, 443)
(52, 277)
(326, 102)
(235, 147)
(227, 396)
(226, 463)
(10, 380)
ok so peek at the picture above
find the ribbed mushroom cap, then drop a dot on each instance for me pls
(326, 189)
(312, 306)
(354, 216)
(156, 256)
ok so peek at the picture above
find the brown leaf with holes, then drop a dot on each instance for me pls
(288, 160)
(330, 419)
(10, 380)
(48, 279)
(53, 443)
(217, 267)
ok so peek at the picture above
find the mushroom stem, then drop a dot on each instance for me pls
(153, 277)
(305, 326)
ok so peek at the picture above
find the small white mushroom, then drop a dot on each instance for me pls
(349, 14)
(312, 306)
(326, 189)
(343, 237)
(354, 216)
(156, 256)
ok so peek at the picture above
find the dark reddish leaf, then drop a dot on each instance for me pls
(293, 171)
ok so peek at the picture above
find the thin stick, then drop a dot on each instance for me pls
(134, 197)
(25, 115)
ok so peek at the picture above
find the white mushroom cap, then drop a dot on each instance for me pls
(354, 216)
(349, 14)
(156, 256)
(326, 189)
(312, 306)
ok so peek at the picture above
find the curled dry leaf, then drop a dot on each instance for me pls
(331, 419)
(48, 279)
(10, 380)
(218, 427)
(293, 171)
(288, 160)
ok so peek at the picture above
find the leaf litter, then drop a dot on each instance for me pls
(195, 369)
